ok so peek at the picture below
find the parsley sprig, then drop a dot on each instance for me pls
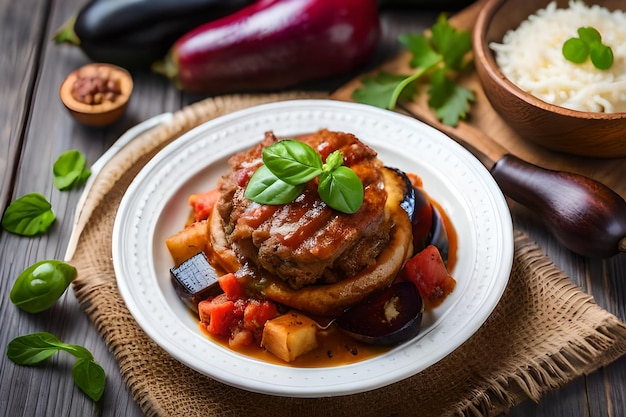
(289, 164)
(588, 44)
(437, 57)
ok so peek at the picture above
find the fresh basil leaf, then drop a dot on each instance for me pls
(32, 349)
(40, 285)
(292, 161)
(69, 170)
(35, 348)
(601, 56)
(29, 215)
(341, 189)
(265, 188)
(575, 50)
(89, 377)
(333, 161)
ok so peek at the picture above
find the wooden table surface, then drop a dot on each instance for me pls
(35, 128)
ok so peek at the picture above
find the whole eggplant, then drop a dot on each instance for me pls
(135, 33)
(274, 44)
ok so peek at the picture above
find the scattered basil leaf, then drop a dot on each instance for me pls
(291, 158)
(29, 215)
(70, 170)
(341, 189)
(445, 49)
(36, 348)
(40, 285)
(89, 377)
(265, 188)
(588, 44)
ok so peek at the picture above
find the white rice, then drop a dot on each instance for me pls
(531, 57)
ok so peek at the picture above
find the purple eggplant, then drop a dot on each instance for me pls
(274, 44)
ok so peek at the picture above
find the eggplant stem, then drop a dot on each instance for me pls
(66, 34)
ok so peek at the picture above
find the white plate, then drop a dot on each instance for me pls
(155, 206)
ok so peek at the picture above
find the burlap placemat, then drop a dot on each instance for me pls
(544, 332)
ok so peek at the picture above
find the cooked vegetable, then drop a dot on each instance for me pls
(290, 335)
(33, 349)
(386, 318)
(274, 44)
(195, 280)
(429, 274)
(135, 33)
(188, 242)
(40, 285)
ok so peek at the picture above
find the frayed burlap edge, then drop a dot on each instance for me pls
(544, 333)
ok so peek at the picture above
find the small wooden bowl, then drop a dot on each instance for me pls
(105, 112)
(591, 134)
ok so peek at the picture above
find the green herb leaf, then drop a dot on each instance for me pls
(40, 285)
(424, 56)
(333, 161)
(450, 101)
(446, 49)
(451, 43)
(33, 349)
(89, 377)
(588, 45)
(384, 89)
(29, 215)
(292, 161)
(601, 56)
(575, 50)
(341, 189)
(70, 170)
(265, 188)
(589, 35)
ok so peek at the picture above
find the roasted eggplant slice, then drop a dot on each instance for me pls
(195, 280)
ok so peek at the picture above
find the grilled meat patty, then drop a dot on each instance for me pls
(306, 242)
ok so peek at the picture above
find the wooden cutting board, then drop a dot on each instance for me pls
(486, 131)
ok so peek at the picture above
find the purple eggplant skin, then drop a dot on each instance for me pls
(195, 280)
(368, 322)
(134, 34)
(274, 44)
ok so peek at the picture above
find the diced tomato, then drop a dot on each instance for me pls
(430, 276)
(231, 287)
(218, 315)
(258, 312)
(241, 320)
(203, 203)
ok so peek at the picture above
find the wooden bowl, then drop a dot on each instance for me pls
(91, 79)
(591, 134)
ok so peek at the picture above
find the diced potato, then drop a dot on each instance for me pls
(188, 242)
(289, 336)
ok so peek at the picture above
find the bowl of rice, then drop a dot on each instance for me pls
(576, 106)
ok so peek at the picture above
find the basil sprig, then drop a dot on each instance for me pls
(588, 44)
(290, 164)
(33, 349)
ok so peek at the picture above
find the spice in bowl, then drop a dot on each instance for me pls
(97, 94)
